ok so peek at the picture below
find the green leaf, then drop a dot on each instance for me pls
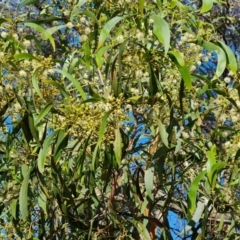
(154, 83)
(87, 51)
(99, 54)
(120, 54)
(222, 61)
(73, 64)
(90, 15)
(185, 73)
(230, 57)
(5, 107)
(36, 40)
(24, 56)
(141, 6)
(116, 87)
(192, 192)
(44, 150)
(195, 219)
(13, 208)
(142, 230)
(76, 8)
(217, 167)
(33, 129)
(117, 146)
(105, 32)
(135, 98)
(42, 201)
(40, 29)
(148, 179)
(25, 3)
(51, 30)
(59, 86)
(206, 5)
(177, 55)
(161, 31)
(35, 82)
(103, 126)
(178, 146)
(62, 142)
(163, 132)
(211, 155)
(100, 137)
(2, 20)
(43, 113)
(94, 95)
(45, 20)
(159, 158)
(23, 195)
(74, 81)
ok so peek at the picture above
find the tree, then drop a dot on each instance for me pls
(109, 122)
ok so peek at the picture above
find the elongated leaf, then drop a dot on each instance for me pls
(215, 169)
(42, 201)
(23, 195)
(192, 192)
(44, 150)
(45, 20)
(50, 31)
(185, 73)
(158, 160)
(206, 5)
(210, 162)
(114, 79)
(13, 208)
(103, 126)
(87, 51)
(91, 15)
(142, 230)
(154, 84)
(59, 86)
(24, 56)
(163, 132)
(2, 20)
(43, 31)
(161, 31)
(26, 3)
(5, 107)
(36, 40)
(178, 146)
(99, 55)
(230, 56)
(100, 137)
(178, 57)
(33, 130)
(141, 6)
(148, 179)
(74, 81)
(220, 227)
(105, 32)
(222, 60)
(76, 8)
(35, 82)
(44, 112)
(73, 64)
(62, 142)
(118, 146)
(120, 54)
(195, 219)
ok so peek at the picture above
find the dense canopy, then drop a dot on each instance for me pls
(118, 118)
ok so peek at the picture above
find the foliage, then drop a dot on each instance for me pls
(109, 123)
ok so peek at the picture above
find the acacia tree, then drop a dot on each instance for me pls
(107, 123)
